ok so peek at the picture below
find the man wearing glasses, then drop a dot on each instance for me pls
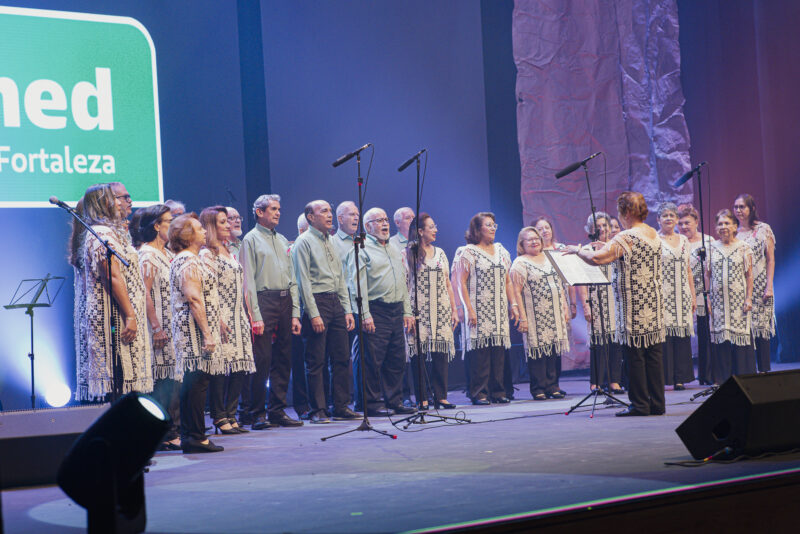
(386, 313)
(327, 313)
(236, 230)
(123, 201)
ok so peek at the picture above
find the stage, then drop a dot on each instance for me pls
(519, 458)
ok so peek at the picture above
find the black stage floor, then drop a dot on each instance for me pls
(512, 459)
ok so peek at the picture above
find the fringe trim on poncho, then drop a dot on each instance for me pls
(643, 340)
(489, 341)
(560, 348)
(741, 340)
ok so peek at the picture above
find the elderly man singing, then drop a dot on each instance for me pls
(386, 312)
(327, 315)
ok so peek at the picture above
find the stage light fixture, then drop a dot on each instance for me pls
(57, 395)
(104, 470)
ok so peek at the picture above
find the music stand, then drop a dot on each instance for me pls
(26, 297)
(575, 272)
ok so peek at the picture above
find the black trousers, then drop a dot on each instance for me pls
(273, 359)
(385, 356)
(434, 373)
(299, 385)
(223, 395)
(508, 374)
(646, 378)
(486, 373)
(544, 373)
(704, 372)
(168, 394)
(328, 346)
(729, 359)
(762, 355)
(678, 367)
(193, 403)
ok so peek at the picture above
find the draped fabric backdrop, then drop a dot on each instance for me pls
(598, 75)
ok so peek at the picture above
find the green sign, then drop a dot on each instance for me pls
(78, 106)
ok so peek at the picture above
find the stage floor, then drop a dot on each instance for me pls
(517, 458)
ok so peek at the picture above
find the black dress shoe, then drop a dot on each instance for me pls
(502, 400)
(189, 445)
(618, 391)
(344, 414)
(284, 420)
(678, 387)
(261, 424)
(480, 402)
(320, 417)
(405, 410)
(653, 411)
(556, 395)
(445, 406)
(630, 412)
(379, 412)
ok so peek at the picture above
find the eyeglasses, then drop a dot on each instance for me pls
(431, 227)
(491, 226)
(234, 218)
(381, 220)
(126, 197)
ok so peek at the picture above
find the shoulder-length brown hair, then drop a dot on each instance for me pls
(208, 218)
(181, 232)
(97, 206)
(750, 202)
(412, 248)
(473, 235)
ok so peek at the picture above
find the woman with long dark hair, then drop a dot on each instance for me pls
(486, 292)
(436, 309)
(100, 315)
(149, 229)
(759, 236)
(237, 345)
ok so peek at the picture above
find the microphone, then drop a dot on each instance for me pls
(60, 204)
(347, 157)
(402, 167)
(571, 168)
(685, 178)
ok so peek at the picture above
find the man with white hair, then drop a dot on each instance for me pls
(176, 207)
(236, 230)
(302, 223)
(347, 218)
(327, 315)
(386, 313)
(274, 303)
(402, 221)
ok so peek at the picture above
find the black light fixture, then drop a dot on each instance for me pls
(104, 470)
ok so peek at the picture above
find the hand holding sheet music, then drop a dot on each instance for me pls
(574, 271)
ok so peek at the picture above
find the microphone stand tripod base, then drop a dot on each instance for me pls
(609, 399)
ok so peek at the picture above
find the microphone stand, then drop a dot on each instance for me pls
(421, 417)
(701, 254)
(116, 367)
(358, 242)
(609, 398)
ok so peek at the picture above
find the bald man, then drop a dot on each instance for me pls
(327, 315)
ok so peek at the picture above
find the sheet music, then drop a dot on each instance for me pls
(574, 271)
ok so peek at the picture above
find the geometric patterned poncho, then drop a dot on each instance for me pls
(237, 351)
(486, 284)
(603, 294)
(435, 314)
(545, 308)
(697, 275)
(637, 281)
(676, 290)
(155, 263)
(728, 267)
(762, 318)
(187, 339)
(97, 316)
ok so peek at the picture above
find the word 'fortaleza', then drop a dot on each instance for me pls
(56, 163)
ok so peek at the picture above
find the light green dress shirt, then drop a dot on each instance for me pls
(343, 243)
(267, 263)
(398, 241)
(382, 275)
(318, 269)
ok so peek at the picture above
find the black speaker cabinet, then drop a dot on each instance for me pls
(751, 414)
